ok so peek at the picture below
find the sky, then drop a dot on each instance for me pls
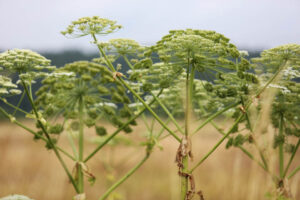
(250, 24)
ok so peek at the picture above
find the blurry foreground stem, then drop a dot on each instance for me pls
(125, 177)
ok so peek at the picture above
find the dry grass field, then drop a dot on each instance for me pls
(28, 168)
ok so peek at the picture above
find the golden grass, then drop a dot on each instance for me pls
(28, 168)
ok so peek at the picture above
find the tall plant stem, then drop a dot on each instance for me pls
(49, 139)
(218, 144)
(125, 177)
(291, 158)
(188, 115)
(281, 153)
(80, 146)
(110, 65)
(119, 130)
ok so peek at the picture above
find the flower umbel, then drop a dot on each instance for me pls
(91, 25)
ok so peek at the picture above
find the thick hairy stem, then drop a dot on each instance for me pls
(186, 148)
(49, 139)
(80, 146)
(124, 178)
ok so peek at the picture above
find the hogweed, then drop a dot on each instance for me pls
(195, 74)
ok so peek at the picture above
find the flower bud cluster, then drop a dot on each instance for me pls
(27, 64)
(271, 59)
(7, 88)
(123, 47)
(91, 26)
(89, 82)
(202, 48)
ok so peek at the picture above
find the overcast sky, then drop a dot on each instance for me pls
(36, 24)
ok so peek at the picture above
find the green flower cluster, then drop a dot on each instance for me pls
(91, 26)
(146, 76)
(91, 84)
(27, 64)
(122, 46)
(203, 48)
(8, 88)
(271, 60)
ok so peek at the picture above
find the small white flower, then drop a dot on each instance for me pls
(107, 104)
(244, 53)
(283, 89)
(133, 105)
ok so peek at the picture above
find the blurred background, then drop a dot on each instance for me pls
(28, 168)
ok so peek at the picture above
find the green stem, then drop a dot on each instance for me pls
(281, 153)
(218, 144)
(80, 146)
(152, 127)
(33, 132)
(19, 103)
(272, 79)
(13, 106)
(214, 116)
(72, 144)
(49, 139)
(240, 147)
(188, 114)
(150, 110)
(110, 65)
(246, 115)
(294, 172)
(146, 123)
(125, 177)
(167, 112)
(291, 158)
(162, 130)
(127, 61)
(261, 154)
(118, 130)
